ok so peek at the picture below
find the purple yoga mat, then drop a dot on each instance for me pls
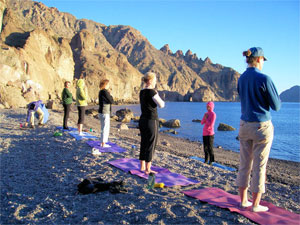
(168, 178)
(223, 199)
(113, 148)
(163, 175)
(128, 164)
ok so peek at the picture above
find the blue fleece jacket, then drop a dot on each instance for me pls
(257, 94)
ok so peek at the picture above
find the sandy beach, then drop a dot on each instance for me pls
(40, 173)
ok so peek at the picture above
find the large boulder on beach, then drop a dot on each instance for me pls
(171, 131)
(196, 120)
(225, 127)
(122, 126)
(92, 112)
(173, 123)
(124, 115)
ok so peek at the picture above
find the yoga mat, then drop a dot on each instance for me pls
(113, 148)
(168, 178)
(163, 175)
(215, 164)
(127, 164)
(84, 136)
(223, 199)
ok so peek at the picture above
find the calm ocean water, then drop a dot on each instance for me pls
(286, 144)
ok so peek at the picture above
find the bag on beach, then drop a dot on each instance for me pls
(93, 185)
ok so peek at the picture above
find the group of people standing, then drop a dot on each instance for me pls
(257, 94)
(105, 102)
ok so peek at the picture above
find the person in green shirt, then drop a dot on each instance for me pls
(67, 100)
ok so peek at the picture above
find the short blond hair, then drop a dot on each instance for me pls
(148, 77)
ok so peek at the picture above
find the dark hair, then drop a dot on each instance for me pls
(103, 83)
(67, 82)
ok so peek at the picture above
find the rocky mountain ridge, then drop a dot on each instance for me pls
(42, 47)
(291, 95)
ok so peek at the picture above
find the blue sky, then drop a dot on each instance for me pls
(218, 29)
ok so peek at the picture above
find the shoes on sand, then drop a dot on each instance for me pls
(96, 151)
(260, 208)
(245, 205)
(106, 146)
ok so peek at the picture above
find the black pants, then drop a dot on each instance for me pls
(67, 109)
(208, 143)
(149, 134)
(81, 113)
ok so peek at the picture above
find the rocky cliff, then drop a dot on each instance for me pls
(42, 47)
(291, 95)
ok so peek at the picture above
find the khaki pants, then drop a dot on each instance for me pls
(40, 112)
(255, 144)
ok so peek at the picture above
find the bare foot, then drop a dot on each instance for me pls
(151, 171)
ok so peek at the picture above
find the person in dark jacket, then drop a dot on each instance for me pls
(67, 100)
(32, 108)
(105, 101)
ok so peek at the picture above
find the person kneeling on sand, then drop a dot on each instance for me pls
(148, 123)
(32, 108)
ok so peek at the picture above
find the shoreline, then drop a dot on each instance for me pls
(40, 174)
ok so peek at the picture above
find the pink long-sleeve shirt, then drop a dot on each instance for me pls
(208, 120)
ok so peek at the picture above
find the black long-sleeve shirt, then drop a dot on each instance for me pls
(104, 98)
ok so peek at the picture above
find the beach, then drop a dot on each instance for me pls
(40, 174)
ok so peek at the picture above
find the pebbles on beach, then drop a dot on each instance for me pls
(40, 173)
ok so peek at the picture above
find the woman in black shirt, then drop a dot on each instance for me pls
(148, 123)
(105, 101)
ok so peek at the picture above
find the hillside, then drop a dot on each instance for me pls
(291, 95)
(42, 47)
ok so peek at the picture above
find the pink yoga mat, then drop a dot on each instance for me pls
(223, 199)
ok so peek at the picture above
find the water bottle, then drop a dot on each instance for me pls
(151, 181)
(133, 147)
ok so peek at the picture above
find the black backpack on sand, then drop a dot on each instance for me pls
(93, 185)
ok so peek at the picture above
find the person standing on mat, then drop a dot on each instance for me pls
(148, 123)
(257, 94)
(105, 101)
(67, 100)
(208, 120)
(81, 102)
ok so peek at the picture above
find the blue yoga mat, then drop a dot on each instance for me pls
(84, 136)
(214, 164)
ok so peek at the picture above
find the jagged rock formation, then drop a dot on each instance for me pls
(291, 95)
(41, 48)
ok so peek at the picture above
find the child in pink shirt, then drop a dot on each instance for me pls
(208, 120)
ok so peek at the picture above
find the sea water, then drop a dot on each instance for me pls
(286, 143)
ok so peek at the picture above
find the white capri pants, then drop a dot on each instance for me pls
(105, 126)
